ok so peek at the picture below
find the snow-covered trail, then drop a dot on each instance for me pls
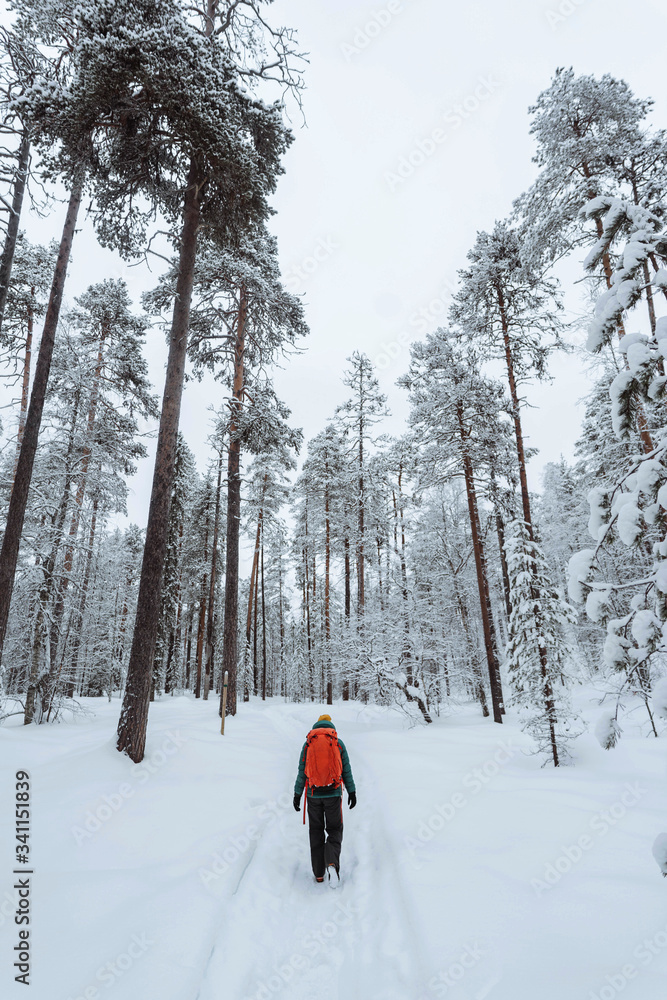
(310, 941)
(468, 870)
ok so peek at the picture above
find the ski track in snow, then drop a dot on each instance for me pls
(312, 942)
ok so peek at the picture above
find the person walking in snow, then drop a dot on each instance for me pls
(324, 767)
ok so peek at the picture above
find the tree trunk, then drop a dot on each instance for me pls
(280, 600)
(656, 267)
(211, 592)
(252, 596)
(416, 698)
(306, 597)
(306, 591)
(230, 627)
(202, 605)
(168, 676)
(500, 531)
(84, 596)
(516, 416)
(21, 486)
(361, 597)
(25, 389)
(188, 648)
(642, 425)
(445, 668)
(46, 589)
(255, 669)
(263, 625)
(327, 584)
(134, 713)
(346, 681)
(251, 599)
(7, 259)
(347, 578)
(477, 682)
(482, 577)
(400, 554)
(33, 680)
(549, 702)
(57, 650)
(378, 542)
(404, 586)
(200, 636)
(253, 576)
(177, 675)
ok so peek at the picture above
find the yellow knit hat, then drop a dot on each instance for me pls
(324, 718)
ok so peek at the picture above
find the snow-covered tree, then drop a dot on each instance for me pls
(589, 132)
(195, 120)
(25, 304)
(628, 508)
(455, 413)
(321, 484)
(166, 667)
(601, 153)
(242, 320)
(538, 647)
(358, 414)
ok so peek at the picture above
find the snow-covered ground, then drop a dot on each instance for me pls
(468, 871)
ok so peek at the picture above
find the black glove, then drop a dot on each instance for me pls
(352, 800)
(297, 802)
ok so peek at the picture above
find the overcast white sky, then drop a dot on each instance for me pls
(370, 249)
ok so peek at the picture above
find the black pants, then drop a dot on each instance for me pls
(324, 851)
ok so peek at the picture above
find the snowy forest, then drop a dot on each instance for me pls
(416, 572)
(405, 569)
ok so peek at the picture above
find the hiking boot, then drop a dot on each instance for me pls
(333, 877)
(319, 878)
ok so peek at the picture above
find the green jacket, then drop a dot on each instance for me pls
(325, 793)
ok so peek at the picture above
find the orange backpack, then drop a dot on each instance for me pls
(324, 766)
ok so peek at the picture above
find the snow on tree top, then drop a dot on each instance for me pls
(633, 338)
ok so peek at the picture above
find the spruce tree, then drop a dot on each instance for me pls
(538, 623)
